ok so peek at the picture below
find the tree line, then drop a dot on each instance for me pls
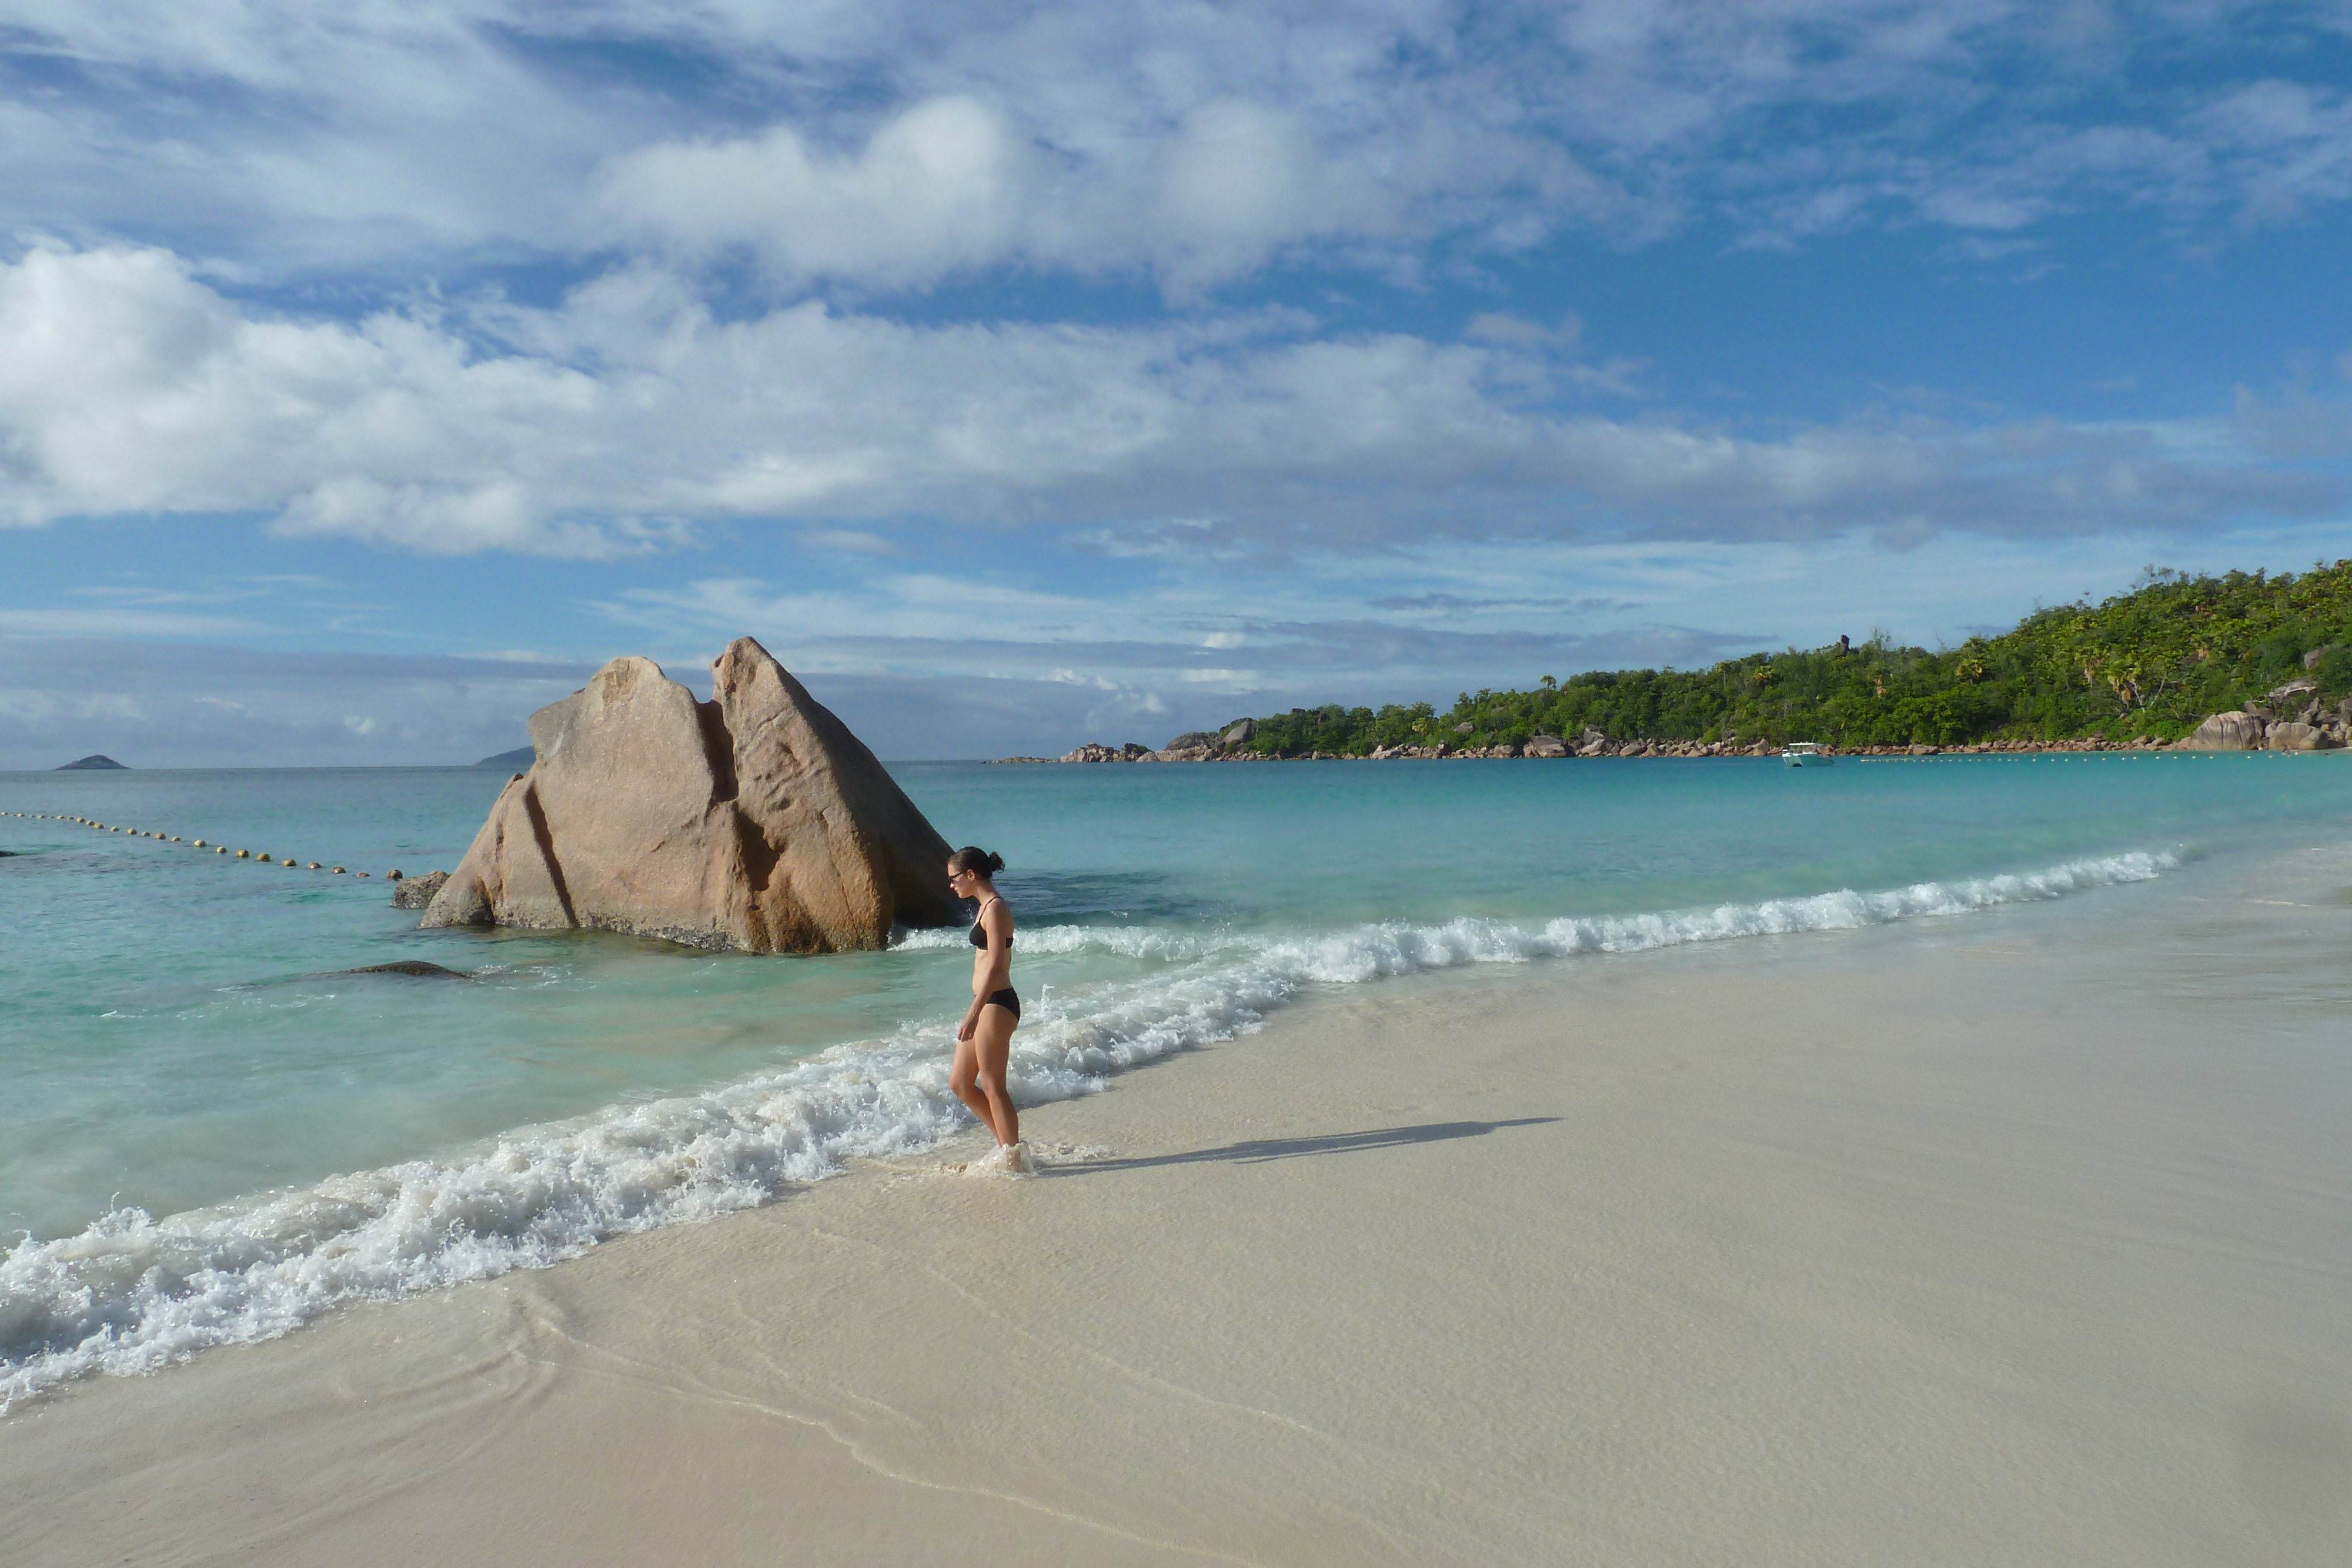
(2152, 660)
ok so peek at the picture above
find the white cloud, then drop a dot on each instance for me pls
(593, 433)
(943, 185)
(132, 387)
(891, 144)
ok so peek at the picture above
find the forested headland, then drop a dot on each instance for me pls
(2149, 663)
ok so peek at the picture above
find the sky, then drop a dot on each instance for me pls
(1027, 374)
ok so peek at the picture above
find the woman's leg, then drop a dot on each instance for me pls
(963, 1077)
(992, 1043)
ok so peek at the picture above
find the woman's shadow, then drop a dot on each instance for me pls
(1254, 1151)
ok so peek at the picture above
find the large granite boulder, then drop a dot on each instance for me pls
(1546, 746)
(755, 820)
(2235, 730)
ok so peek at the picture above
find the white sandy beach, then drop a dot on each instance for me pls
(2028, 1242)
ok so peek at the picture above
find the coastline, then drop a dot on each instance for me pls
(2021, 1241)
(1638, 749)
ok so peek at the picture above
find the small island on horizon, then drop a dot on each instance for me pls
(521, 757)
(95, 762)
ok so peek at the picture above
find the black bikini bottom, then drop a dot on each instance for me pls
(1009, 999)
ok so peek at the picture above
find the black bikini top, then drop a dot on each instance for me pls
(980, 932)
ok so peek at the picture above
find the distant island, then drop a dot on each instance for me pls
(93, 761)
(521, 758)
(2145, 667)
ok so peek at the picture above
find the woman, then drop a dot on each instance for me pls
(984, 1041)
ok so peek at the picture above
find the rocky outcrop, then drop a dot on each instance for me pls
(755, 820)
(2296, 736)
(1546, 746)
(1095, 751)
(1191, 740)
(1239, 733)
(2233, 731)
(418, 892)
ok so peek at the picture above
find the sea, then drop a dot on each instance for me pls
(220, 1119)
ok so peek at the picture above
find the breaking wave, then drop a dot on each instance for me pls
(131, 1293)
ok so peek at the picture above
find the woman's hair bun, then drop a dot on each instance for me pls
(971, 857)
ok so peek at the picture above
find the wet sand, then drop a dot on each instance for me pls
(2027, 1240)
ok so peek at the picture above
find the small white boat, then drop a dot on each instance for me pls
(1805, 754)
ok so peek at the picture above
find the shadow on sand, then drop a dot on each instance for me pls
(1254, 1151)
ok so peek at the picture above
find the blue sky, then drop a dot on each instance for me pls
(1026, 374)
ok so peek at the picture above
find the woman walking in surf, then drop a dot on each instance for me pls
(985, 1039)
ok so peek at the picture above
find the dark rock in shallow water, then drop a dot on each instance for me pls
(416, 967)
(94, 760)
(417, 892)
(520, 756)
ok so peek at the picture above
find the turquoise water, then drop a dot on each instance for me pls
(213, 1129)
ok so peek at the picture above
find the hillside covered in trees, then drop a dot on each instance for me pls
(2151, 661)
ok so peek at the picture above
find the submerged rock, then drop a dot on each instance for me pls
(417, 892)
(754, 821)
(416, 967)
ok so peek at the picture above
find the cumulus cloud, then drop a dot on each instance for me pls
(131, 387)
(949, 183)
(952, 183)
(892, 143)
(597, 431)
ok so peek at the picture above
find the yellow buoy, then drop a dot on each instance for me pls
(245, 854)
(339, 871)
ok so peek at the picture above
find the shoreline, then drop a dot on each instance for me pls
(1859, 1250)
(1635, 750)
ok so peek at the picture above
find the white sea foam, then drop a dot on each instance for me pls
(131, 1293)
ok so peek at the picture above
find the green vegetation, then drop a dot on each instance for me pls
(2151, 661)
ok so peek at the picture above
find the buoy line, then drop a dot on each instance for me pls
(258, 857)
